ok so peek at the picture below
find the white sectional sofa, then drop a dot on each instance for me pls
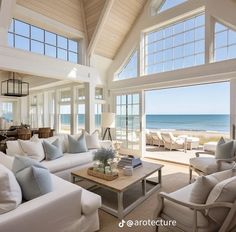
(62, 166)
(68, 208)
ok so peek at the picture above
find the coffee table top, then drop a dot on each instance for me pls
(122, 182)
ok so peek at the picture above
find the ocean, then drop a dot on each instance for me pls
(209, 122)
(206, 122)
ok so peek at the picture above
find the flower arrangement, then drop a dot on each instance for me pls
(104, 158)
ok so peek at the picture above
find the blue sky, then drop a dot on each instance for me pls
(201, 99)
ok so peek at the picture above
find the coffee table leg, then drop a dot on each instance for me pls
(159, 176)
(144, 190)
(120, 205)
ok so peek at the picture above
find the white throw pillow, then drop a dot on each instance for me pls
(201, 189)
(34, 150)
(222, 192)
(10, 191)
(92, 140)
(14, 148)
(6, 160)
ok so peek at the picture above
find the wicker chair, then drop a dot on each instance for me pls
(45, 132)
(24, 134)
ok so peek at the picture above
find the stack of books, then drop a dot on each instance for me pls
(129, 161)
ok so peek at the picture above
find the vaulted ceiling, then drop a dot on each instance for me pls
(88, 16)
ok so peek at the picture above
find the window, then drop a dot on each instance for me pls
(224, 43)
(7, 110)
(130, 69)
(80, 114)
(98, 114)
(167, 4)
(99, 93)
(65, 111)
(177, 46)
(30, 38)
(36, 110)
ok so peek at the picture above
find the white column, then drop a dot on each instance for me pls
(143, 124)
(89, 107)
(232, 107)
(209, 37)
(73, 111)
(6, 14)
(45, 109)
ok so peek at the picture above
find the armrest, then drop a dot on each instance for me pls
(59, 211)
(226, 160)
(195, 206)
(204, 153)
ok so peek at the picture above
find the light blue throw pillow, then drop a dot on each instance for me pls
(52, 150)
(77, 146)
(33, 178)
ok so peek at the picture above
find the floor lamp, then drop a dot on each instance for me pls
(108, 122)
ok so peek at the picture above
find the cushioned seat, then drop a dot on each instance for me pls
(208, 165)
(90, 202)
(68, 161)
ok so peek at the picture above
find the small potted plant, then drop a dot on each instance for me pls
(103, 158)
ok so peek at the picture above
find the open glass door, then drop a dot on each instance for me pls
(128, 123)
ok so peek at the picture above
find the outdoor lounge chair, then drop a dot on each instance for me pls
(149, 140)
(173, 143)
(157, 139)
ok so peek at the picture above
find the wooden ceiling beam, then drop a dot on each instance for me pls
(101, 22)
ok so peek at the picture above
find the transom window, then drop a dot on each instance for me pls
(130, 69)
(224, 43)
(176, 46)
(167, 4)
(30, 38)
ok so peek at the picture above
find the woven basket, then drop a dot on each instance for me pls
(103, 176)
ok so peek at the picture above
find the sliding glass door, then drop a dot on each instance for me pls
(128, 122)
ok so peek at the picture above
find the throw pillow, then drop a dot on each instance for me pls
(14, 148)
(201, 189)
(34, 179)
(222, 192)
(6, 160)
(52, 150)
(224, 149)
(92, 140)
(34, 150)
(10, 192)
(77, 146)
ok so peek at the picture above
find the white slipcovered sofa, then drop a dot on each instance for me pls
(62, 166)
(68, 208)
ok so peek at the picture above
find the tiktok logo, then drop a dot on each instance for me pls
(121, 224)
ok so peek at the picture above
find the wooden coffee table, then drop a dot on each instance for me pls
(123, 183)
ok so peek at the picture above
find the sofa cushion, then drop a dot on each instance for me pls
(34, 179)
(10, 192)
(225, 191)
(14, 148)
(52, 150)
(77, 146)
(6, 160)
(224, 149)
(68, 161)
(92, 141)
(201, 189)
(34, 150)
(208, 165)
(90, 202)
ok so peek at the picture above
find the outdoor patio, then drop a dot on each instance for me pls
(174, 156)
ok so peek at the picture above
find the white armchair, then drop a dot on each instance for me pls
(194, 217)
